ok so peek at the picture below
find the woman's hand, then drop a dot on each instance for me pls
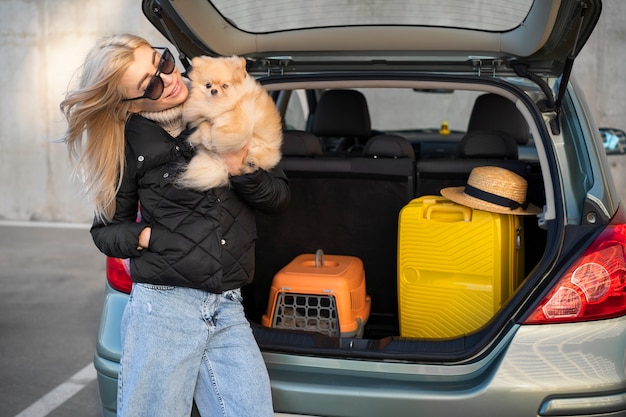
(234, 160)
(144, 238)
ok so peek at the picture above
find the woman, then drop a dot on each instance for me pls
(184, 333)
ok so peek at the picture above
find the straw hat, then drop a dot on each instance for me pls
(493, 189)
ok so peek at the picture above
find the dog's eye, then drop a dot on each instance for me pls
(208, 85)
(224, 86)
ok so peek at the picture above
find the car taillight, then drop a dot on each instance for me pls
(594, 287)
(118, 274)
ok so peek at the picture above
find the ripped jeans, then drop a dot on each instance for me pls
(181, 344)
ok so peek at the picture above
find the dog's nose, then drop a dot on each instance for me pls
(213, 92)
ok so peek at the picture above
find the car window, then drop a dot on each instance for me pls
(393, 109)
(297, 111)
(280, 15)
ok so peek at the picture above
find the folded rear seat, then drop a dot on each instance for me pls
(344, 206)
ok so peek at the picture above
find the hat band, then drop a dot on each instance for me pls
(494, 198)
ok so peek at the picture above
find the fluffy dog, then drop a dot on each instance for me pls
(230, 110)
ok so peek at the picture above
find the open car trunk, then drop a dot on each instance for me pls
(348, 202)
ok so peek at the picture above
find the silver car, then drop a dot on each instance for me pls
(386, 103)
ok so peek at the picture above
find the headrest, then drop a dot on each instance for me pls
(299, 143)
(494, 112)
(342, 113)
(487, 144)
(388, 146)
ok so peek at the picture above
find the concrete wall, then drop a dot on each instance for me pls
(42, 43)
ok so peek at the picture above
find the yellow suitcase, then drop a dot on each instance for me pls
(456, 266)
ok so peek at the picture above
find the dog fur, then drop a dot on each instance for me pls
(229, 110)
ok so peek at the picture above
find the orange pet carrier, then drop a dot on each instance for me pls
(319, 293)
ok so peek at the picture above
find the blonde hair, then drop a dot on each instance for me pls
(96, 115)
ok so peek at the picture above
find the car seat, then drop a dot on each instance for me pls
(495, 130)
(495, 113)
(342, 120)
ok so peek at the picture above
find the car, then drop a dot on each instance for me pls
(385, 104)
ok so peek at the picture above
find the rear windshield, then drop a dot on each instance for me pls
(280, 15)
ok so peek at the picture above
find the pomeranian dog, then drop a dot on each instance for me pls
(230, 110)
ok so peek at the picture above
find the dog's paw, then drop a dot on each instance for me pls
(195, 138)
(250, 164)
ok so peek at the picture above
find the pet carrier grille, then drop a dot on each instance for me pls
(313, 313)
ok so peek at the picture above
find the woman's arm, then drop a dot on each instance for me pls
(267, 191)
(120, 237)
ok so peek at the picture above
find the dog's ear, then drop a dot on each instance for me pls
(242, 63)
(239, 68)
(196, 67)
(190, 74)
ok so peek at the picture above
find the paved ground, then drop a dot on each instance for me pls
(51, 287)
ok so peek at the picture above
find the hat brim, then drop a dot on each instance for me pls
(457, 195)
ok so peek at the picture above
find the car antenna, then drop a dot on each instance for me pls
(184, 59)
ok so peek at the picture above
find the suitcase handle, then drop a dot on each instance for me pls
(464, 211)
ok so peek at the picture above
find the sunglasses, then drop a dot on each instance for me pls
(155, 87)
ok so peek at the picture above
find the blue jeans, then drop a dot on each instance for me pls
(180, 344)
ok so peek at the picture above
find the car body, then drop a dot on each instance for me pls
(556, 344)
